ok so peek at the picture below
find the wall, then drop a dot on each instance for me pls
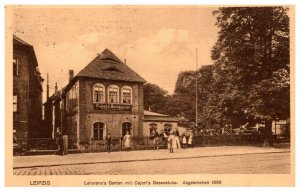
(160, 127)
(112, 119)
(21, 89)
(27, 87)
(113, 123)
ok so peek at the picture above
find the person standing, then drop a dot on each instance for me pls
(183, 141)
(165, 135)
(171, 142)
(190, 141)
(177, 139)
(127, 141)
(108, 143)
(58, 141)
(154, 137)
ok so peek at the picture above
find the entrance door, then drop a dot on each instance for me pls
(126, 126)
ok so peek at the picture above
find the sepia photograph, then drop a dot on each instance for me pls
(149, 95)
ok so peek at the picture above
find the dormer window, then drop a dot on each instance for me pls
(99, 93)
(113, 94)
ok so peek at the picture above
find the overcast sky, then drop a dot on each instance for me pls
(157, 42)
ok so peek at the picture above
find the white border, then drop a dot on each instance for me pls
(146, 190)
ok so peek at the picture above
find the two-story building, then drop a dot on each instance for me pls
(104, 97)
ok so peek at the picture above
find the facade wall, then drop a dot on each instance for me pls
(160, 127)
(113, 120)
(113, 124)
(21, 90)
(27, 87)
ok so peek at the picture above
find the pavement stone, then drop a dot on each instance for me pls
(145, 155)
(270, 163)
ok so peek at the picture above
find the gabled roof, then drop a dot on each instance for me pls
(21, 44)
(18, 41)
(108, 66)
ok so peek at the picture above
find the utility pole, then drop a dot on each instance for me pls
(196, 88)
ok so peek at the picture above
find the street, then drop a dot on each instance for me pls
(269, 163)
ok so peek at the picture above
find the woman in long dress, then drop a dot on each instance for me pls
(171, 142)
(127, 141)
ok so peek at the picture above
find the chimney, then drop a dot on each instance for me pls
(124, 60)
(47, 90)
(55, 88)
(71, 75)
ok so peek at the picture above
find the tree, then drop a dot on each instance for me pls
(155, 98)
(185, 93)
(252, 61)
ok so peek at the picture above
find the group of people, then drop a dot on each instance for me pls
(171, 140)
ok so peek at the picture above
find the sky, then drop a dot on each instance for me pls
(158, 42)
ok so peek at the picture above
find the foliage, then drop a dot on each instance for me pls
(248, 81)
(155, 98)
(252, 60)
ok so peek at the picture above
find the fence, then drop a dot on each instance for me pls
(24, 146)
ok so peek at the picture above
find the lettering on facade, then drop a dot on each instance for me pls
(112, 107)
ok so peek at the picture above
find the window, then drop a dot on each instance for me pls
(67, 101)
(15, 103)
(16, 66)
(113, 94)
(126, 95)
(76, 88)
(167, 128)
(126, 127)
(99, 93)
(98, 131)
(152, 126)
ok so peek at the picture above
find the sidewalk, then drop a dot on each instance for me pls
(145, 155)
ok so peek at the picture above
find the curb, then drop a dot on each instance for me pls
(154, 159)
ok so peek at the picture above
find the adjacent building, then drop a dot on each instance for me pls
(27, 91)
(159, 122)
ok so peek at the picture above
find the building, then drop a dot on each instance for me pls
(27, 91)
(159, 122)
(104, 97)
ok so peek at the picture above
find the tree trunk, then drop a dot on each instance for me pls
(268, 138)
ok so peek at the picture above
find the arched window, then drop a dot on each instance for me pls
(167, 128)
(126, 95)
(113, 94)
(126, 127)
(98, 131)
(98, 93)
(152, 126)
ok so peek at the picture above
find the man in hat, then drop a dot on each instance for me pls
(58, 141)
(108, 142)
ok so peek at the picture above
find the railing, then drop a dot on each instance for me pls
(24, 146)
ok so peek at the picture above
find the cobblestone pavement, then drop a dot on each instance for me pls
(271, 163)
(145, 155)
